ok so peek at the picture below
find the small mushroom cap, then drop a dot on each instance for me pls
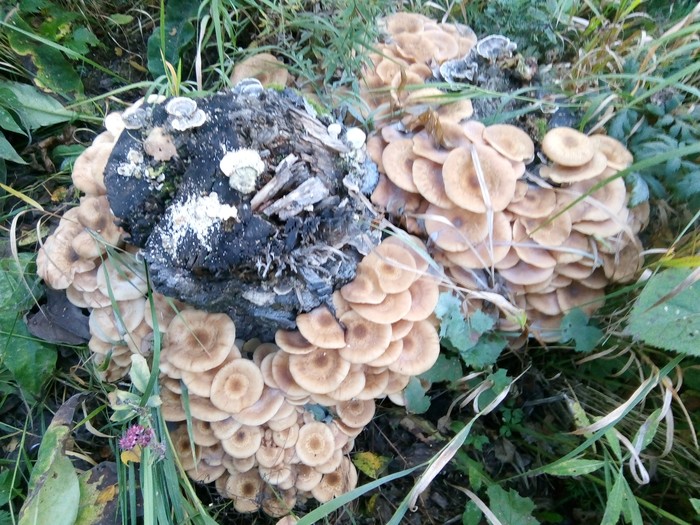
(321, 328)
(576, 295)
(536, 203)
(526, 274)
(394, 265)
(364, 288)
(603, 203)
(424, 298)
(549, 231)
(455, 230)
(338, 482)
(244, 442)
(315, 444)
(390, 355)
(421, 348)
(307, 477)
(159, 145)
(245, 488)
(461, 172)
(356, 413)
(122, 279)
(264, 67)
(490, 251)
(617, 155)
(320, 371)
(566, 175)
(397, 159)
(427, 177)
(365, 339)
(568, 147)
(236, 386)
(393, 308)
(405, 23)
(511, 142)
(263, 409)
(292, 342)
(351, 386)
(198, 341)
(276, 373)
(199, 383)
(89, 167)
(202, 408)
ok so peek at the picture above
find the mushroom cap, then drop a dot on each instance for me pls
(566, 175)
(488, 252)
(89, 167)
(263, 409)
(365, 340)
(351, 386)
(617, 155)
(397, 23)
(397, 159)
(237, 385)
(225, 428)
(122, 279)
(392, 199)
(427, 177)
(202, 408)
(510, 141)
(547, 231)
(315, 444)
(244, 442)
(275, 370)
(424, 298)
(321, 328)
(307, 477)
(338, 482)
(166, 309)
(603, 203)
(446, 46)
(205, 473)
(356, 412)
(394, 265)
(113, 324)
(364, 288)
(159, 145)
(320, 371)
(421, 348)
(461, 171)
(198, 341)
(264, 67)
(577, 295)
(526, 274)
(530, 251)
(568, 147)
(455, 230)
(292, 342)
(546, 303)
(393, 308)
(415, 47)
(390, 355)
(245, 488)
(199, 383)
(537, 202)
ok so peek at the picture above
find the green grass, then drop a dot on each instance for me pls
(612, 417)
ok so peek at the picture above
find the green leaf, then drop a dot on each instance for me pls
(139, 372)
(7, 152)
(371, 464)
(695, 502)
(511, 507)
(7, 492)
(485, 352)
(613, 508)
(575, 326)
(99, 491)
(574, 467)
(630, 507)
(416, 400)
(35, 109)
(81, 40)
(674, 324)
(120, 19)
(7, 121)
(54, 492)
(472, 514)
(444, 369)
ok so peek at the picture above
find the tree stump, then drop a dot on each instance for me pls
(274, 235)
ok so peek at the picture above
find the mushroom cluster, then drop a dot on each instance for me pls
(547, 237)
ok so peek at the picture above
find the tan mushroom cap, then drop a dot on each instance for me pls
(320, 371)
(338, 482)
(205, 473)
(315, 444)
(88, 170)
(576, 295)
(390, 355)
(244, 442)
(364, 288)
(356, 413)
(461, 177)
(111, 325)
(617, 155)
(510, 141)
(122, 279)
(400, 328)
(101, 231)
(565, 175)
(165, 311)
(351, 386)
(397, 159)
(537, 202)
(526, 274)
(415, 246)
(365, 340)
(202, 408)
(225, 428)
(375, 384)
(427, 176)
(203, 434)
(394, 265)
(415, 47)
(307, 477)
(455, 230)
(395, 201)
(424, 298)
(393, 308)
(549, 231)
(491, 250)
(529, 250)
(405, 23)
(264, 67)
(603, 203)
(245, 488)
(546, 303)
(280, 502)
(236, 386)
(321, 328)
(199, 383)
(421, 348)
(454, 112)
(292, 342)
(568, 147)
(198, 341)
(171, 406)
(276, 374)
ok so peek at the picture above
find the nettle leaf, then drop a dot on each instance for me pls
(416, 400)
(511, 507)
(575, 327)
(674, 323)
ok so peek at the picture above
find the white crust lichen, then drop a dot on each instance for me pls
(242, 167)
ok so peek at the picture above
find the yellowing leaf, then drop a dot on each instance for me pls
(371, 464)
(133, 455)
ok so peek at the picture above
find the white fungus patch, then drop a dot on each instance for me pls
(242, 167)
(199, 215)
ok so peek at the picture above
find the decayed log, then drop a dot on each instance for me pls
(273, 236)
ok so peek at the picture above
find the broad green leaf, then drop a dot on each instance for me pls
(574, 467)
(416, 400)
(7, 121)
(54, 492)
(35, 109)
(99, 495)
(485, 352)
(7, 152)
(695, 502)
(444, 369)
(613, 508)
(511, 507)
(371, 464)
(81, 40)
(139, 372)
(674, 324)
(120, 19)
(179, 34)
(574, 326)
